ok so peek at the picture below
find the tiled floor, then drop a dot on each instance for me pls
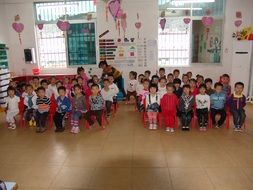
(126, 156)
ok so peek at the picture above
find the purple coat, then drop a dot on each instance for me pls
(236, 103)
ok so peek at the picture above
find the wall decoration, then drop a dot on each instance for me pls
(18, 27)
(63, 25)
(114, 8)
(238, 23)
(103, 34)
(40, 26)
(244, 34)
(163, 23)
(238, 14)
(207, 22)
(124, 23)
(187, 20)
(138, 25)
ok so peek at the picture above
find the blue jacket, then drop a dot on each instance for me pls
(218, 100)
(64, 105)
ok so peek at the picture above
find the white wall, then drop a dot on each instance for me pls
(147, 10)
(3, 30)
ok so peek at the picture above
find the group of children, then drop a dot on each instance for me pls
(173, 97)
(83, 97)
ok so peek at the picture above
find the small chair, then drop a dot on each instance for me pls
(52, 111)
(21, 107)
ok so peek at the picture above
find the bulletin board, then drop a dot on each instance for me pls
(3, 57)
(81, 40)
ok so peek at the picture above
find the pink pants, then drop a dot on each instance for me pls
(152, 117)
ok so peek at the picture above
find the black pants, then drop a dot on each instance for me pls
(186, 118)
(108, 105)
(202, 115)
(29, 114)
(222, 113)
(97, 113)
(41, 119)
(120, 83)
(58, 118)
(239, 117)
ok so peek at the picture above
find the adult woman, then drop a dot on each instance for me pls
(117, 75)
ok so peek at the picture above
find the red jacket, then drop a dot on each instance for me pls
(169, 103)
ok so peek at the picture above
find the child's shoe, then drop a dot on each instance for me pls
(13, 126)
(30, 123)
(72, 130)
(37, 130)
(10, 125)
(183, 128)
(204, 129)
(151, 126)
(154, 126)
(201, 128)
(168, 129)
(76, 130)
(42, 129)
(187, 128)
(172, 130)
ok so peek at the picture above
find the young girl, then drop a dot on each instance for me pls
(11, 105)
(52, 86)
(152, 106)
(162, 87)
(81, 73)
(139, 86)
(96, 80)
(67, 85)
(72, 91)
(193, 85)
(80, 82)
(186, 103)
(131, 86)
(143, 93)
(107, 95)
(169, 104)
(203, 107)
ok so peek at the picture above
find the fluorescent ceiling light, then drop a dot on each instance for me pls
(193, 1)
(184, 8)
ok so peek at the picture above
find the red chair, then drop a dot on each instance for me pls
(21, 107)
(104, 121)
(52, 111)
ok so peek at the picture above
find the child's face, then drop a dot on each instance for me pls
(238, 89)
(62, 93)
(200, 80)
(156, 80)
(161, 73)
(140, 78)
(11, 93)
(146, 85)
(36, 81)
(44, 85)
(189, 74)
(74, 82)
(131, 76)
(41, 93)
(58, 84)
(29, 90)
(147, 75)
(170, 90)
(185, 79)
(225, 80)
(80, 81)
(177, 85)
(111, 79)
(89, 84)
(66, 80)
(13, 84)
(152, 90)
(95, 80)
(77, 91)
(186, 91)
(176, 74)
(170, 78)
(218, 89)
(208, 85)
(202, 90)
(162, 83)
(193, 84)
(106, 84)
(94, 90)
(53, 81)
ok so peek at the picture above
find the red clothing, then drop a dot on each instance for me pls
(194, 92)
(169, 103)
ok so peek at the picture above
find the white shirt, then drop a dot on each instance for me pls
(12, 103)
(139, 88)
(25, 94)
(114, 88)
(53, 90)
(131, 85)
(202, 101)
(107, 95)
(152, 99)
(162, 91)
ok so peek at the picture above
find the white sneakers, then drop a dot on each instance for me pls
(12, 126)
(169, 129)
(152, 126)
(75, 130)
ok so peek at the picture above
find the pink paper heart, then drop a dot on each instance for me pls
(18, 27)
(114, 7)
(138, 25)
(63, 25)
(187, 20)
(207, 21)
(238, 23)
(162, 23)
(120, 13)
(40, 26)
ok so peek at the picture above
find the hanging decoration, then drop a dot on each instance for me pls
(163, 23)
(95, 2)
(18, 27)
(89, 16)
(63, 25)
(40, 26)
(207, 22)
(138, 25)
(187, 19)
(114, 8)
(124, 23)
(238, 23)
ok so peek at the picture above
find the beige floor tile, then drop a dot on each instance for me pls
(184, 158)
(111, 158)
(149, 159)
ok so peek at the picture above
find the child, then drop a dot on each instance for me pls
(170, 78)
(203, 107)
(107, 95)
(194, 90)
(79, 109)
(143, 93)
(155, 79)
(185, 79)
(14, 85)
(11, 105)
(236, 103)
(169, 104)
(178, 90)
(218, 100)
(162, 73)
(152, 106)
(176, 73)
(52, 87)
(67, 85)
(131, 86)
(43, 105)
(162, 87)
(35, 83)
(72, 91)
(185, 108)
(114, 88)
(226, 86)
(80, 82)
(81, 73)
(147, 74)
(189, 74)
(30, 103)
(96, 106)
(63, 107)
(139, 86)
(200, 80)
(48, 92)
(96, 80)
(209, 84)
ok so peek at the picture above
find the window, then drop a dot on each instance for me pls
(181, 43)
(54, 47)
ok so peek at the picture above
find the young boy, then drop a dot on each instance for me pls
(162, 73)
(236, 103)
(218, 100)
(185, 79)
(43, 105)
(200, 80)
(225, 80)
(107, 95)
(194, 90)
(155, 79)
(185, 108)
(162, 87)
(203, 106)
(189, 74)
(170, 78)
(209, 84)
(30, 103)
(131, 86)
(35, 83)
(143, 93)
(63, 107)
(11, 105)
(178, 90)
(44, 84)
(176, 73)
(96, 106)
(169, 104)
(147, 74)
(52, 87)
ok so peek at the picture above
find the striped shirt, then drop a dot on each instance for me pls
(43, 104)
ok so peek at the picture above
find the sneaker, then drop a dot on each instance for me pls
(172, 130)
(204, 129)
(72, 130)
(154, 126)
(10, 125)
(13, 126)
(42, 129)
(187, 128)
(150, 126)
(76, 130)
(168, 129)
(201, 128)
(37, 130)
(34, 123)
(183, 128)
(30, 123)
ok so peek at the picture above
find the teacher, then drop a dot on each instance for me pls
(117, 75)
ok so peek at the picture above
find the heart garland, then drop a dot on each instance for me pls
(18, 27)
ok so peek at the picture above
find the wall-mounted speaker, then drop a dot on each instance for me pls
(30, 55)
